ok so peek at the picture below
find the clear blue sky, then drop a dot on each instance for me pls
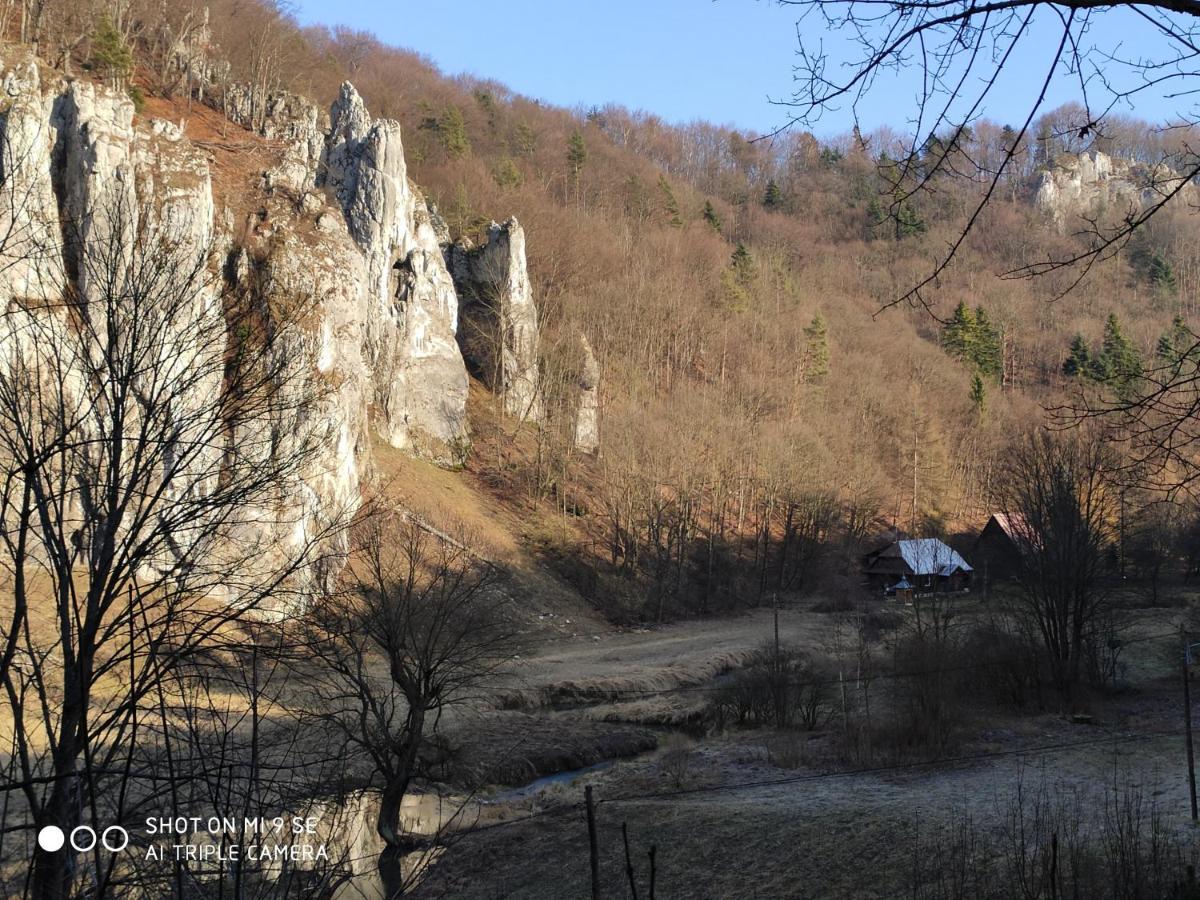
(721, 60)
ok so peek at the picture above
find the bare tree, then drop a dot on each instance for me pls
(420, 629)
(958, 55)
(960, 51)
(1154, 542)
(1060, 495)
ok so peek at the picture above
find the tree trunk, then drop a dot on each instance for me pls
(53, 870)
(391, 801)
(391, 872)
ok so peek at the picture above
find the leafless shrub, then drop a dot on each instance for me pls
(781, 688)
(677, 758)
(1053, 842)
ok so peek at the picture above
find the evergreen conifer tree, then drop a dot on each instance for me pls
(736, 280)
(773, 197)
(1176, 343)
(711, 217)
(816, 334)
(576, 154)
(1160, 273)
(908, 222)
(452, 132)
(111, 56)
(524, 139)
(506, 174)
(670, 205)
(1079, 360)
(987, 351)
(978, 393)
(742, 263)
(1118, 363)
(958, 337)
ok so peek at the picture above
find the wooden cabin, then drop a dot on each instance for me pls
(997, 552)
(921, 565)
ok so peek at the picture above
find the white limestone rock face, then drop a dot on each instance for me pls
(499, 331)
(79, 166)
(282, 116)
(327, 384)
(31, 255)
(411, 306)
(1093, 184)
(93, 168)
(587, 412)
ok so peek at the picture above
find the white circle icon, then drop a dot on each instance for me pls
(51, 838)
(87, 833)
(122, 835)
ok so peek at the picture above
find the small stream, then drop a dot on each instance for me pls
(528, 791)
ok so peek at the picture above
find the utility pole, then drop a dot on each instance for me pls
(775, 609)
(1121, 547)
(594, 849)
(1187, 719)
(778, 679)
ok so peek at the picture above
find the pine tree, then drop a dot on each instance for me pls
(908, 222)
(1176, 343)
(773, 197)
(1118, 362)
(711, 217)
(452, 132)
(816, 335)
(736, 280)
(875, 217)
(452, 129)
(506, 174)
(1160, 273)
(1008, 139)
(1079, 361)
(488, 104)
(978, 393)
(958, 337)
(524, 139)
(111, 56)
(742, 263)
(670, 205)
(637, 204)
(987, 352)
(576, 154)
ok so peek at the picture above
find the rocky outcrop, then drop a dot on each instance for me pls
(1093, 185)
(343, 265)
(412, 307)
(298, 123)
(100, 212)
(499, 334)
(587, 411)
(410, 313)
(305, 260)
(28, 208)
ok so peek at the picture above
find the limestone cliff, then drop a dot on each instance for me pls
(411, 310)
(500, 326)
(1092, 185)
(326, 240)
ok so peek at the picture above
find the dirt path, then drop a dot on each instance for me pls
(666, 656)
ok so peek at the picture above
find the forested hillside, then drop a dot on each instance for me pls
(763, 403)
